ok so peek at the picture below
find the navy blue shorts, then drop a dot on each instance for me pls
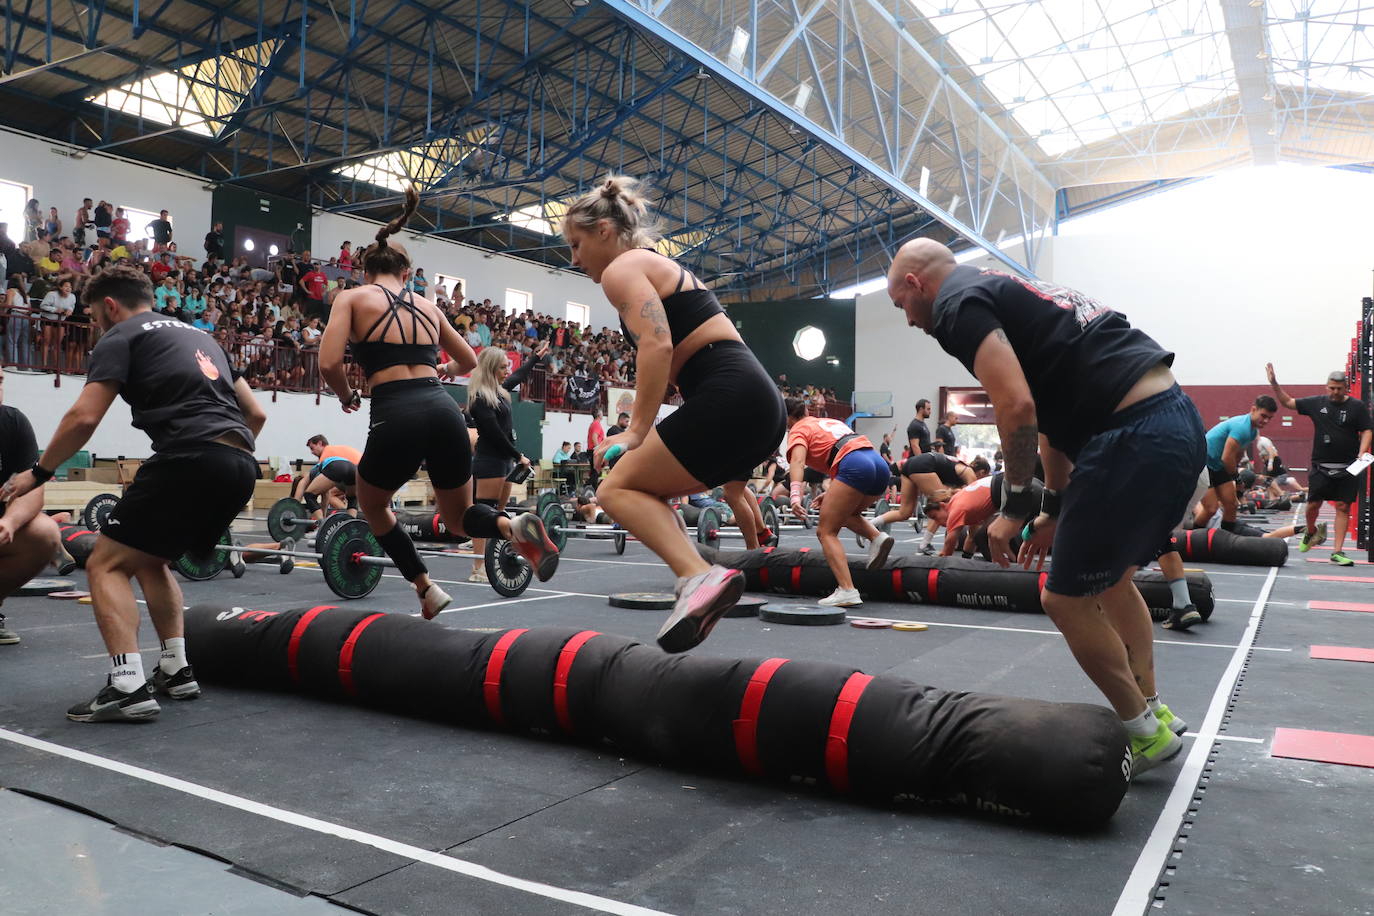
(1129, 488)
(864, 470)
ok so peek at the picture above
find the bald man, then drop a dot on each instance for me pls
(1068, 375)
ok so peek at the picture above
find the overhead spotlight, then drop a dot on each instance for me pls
(1268, 96)
(1262, 55)
(702, 74)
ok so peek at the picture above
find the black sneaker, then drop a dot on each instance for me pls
(114, 705)
(179, 686)
(1182, 618)
(7, 636)
(927, 551)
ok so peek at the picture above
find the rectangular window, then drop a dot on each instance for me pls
(138, 222)
(579, 313)
(14, 197)
(456, 288)
(517, 301)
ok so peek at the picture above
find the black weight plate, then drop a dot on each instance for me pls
(620, 540)
(708, 527)
(45, 587)
(198, 567)
(747, 606)
(555, 523)
(643, 601)
(507, 571)
(801, 615)
(344, 576)
(98, 510)
(327, 524)
(546, 498)
(287, 519)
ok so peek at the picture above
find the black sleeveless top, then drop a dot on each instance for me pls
(687, 309)
(375, 354)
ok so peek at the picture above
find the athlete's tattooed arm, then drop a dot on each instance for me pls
(998, 369)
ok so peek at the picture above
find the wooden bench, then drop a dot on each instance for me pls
(72, 495)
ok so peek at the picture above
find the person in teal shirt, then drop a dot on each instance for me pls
(1226, 444)
(194, 303)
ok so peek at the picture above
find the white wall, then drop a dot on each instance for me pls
(291, 419)
(60, 181)
(1245, 267)
(488, 274)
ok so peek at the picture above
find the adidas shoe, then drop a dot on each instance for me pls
(702, 600)
(179, 686)
(1182, 618)
(1148, 753)
(114, 705)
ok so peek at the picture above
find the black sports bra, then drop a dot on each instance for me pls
(375, 354)
(687, 309)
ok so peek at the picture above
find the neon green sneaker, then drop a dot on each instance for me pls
(1166, 717)
(1341, 559)
(1148, 753)
(1319, 536)
(1306, 543)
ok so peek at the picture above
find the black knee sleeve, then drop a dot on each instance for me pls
(353, 503)
(401, 549)
(312, 502)
(479, 521)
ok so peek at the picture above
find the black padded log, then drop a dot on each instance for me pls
(425, 525)
(883, 739)
(78, 541)
(1213, 545)
(949, 581)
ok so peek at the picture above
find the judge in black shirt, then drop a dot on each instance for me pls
(944, 435)
(917, 433)
(28, 538)
(1069, 375)
(214, 243)
(1341, 433)
(203, 423)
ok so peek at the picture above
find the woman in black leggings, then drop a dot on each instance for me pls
(731, 418)
(495, 455)
(395, 337)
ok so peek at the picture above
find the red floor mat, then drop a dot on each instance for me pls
(1323, 747)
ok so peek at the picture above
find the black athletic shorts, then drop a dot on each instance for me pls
(415, 420)
(1337, 487)
(732, 417)
(1217, 478)
(812, 478)
(485, 467)
(168, 510)
(933, 463)
(341, 471)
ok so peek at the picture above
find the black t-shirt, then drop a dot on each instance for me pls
(175, 378)
(214, 243)
(946, 435)
(162, 231)
(18, 448)
(1079, 357)
(885, 451)
(918, 430)
(1338, 427)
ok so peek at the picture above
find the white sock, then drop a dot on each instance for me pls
(926, 537)
(1178, 588)
(173, 655)
(126, 671)
(1143, 725)
(1153, 703)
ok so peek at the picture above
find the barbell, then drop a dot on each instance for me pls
(352, 561)
(287, 518)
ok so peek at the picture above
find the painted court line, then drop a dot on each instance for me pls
(1356, 606)
(1323, 747)
(1140, 886)
(306, 822)
(982, 626)
(1340, 578)
(501, 603)
(1342, 653)
(1228, 738)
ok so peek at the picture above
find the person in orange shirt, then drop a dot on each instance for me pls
(858, 476)
(335, 466)
(962, 511)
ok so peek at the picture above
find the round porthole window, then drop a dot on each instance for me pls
(809, 342)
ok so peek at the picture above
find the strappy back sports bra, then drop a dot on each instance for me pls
(374, 354)
(687, 309)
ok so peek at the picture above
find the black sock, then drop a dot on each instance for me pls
(1299, 529)
(479, 521)
(401, 549)
(1228, 526)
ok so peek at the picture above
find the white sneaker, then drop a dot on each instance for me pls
(435, 600)
(479, 577)
(879, 549)
(842, 597)
(702, 600)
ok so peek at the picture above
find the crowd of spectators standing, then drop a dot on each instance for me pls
(269, 319)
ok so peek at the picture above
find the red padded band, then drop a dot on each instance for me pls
(837, 741)
(491, 685)
(747, 725)
(560, 677)
(293, 646)
(933, 587)
(346, 653)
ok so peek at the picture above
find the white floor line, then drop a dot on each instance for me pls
(306, 822)
(1233, 738)
(1136, 896)
(1248, 601)
(503, 603)
(552, 592)
(983, 626)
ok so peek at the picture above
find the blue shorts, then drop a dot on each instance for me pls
(864, 470)
(1129, 488)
